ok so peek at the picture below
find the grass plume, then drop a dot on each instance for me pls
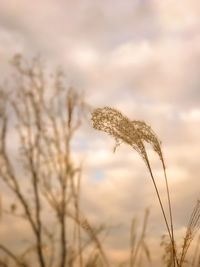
(136, 133)
(192, 228)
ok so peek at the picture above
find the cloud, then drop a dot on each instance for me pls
(141, 57)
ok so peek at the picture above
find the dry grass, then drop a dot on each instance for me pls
(192, 229)
(138, 246)
(136, 134)
(47, 115)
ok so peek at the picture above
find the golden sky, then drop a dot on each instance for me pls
(142, 57)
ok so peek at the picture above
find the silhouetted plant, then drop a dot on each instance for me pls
(135, 134)
(44, 114)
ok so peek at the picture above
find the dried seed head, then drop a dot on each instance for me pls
(147, 134)
(133, 133)
(120, 127)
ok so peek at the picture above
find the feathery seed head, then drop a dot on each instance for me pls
(147, 134)
(133, 133)
(119, 126)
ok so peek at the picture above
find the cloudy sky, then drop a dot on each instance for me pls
(142, 57)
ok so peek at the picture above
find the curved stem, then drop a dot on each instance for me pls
(169, 228)
(159, 199)
(175, 260)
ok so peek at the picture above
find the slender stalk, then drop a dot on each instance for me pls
(159, 199)
(170, 215)
(196, 252)
(163, 212)
(77, 206)
(141, 239)
(132, 242)
(63, 228)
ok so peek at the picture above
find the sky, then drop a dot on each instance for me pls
(141, 57)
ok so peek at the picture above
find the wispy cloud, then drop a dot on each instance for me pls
(141, 57)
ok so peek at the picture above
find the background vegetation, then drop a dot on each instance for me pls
(44, 178)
